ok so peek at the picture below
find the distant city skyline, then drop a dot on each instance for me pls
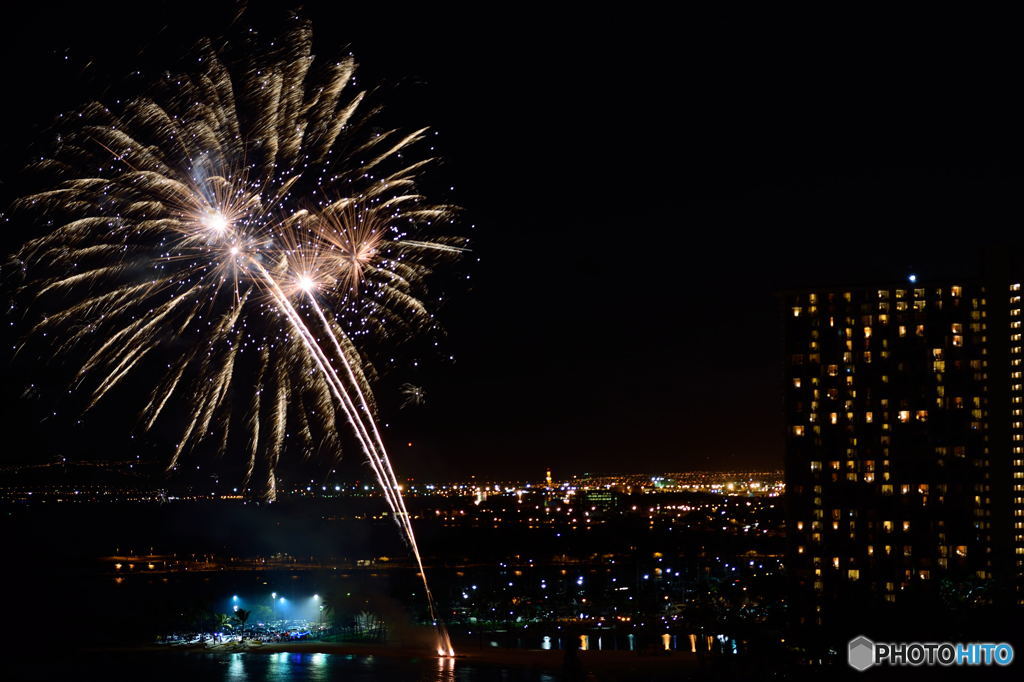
(120, 475)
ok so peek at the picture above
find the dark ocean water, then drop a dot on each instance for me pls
(279, 667)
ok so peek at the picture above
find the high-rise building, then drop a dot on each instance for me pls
(905, 445)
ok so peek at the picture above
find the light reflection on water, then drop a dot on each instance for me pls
(275, 667)
(279, 667)
(445, 670)
(236, 668)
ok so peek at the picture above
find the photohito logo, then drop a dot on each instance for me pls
(862, 653)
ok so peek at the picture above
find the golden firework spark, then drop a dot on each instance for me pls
(232, 232)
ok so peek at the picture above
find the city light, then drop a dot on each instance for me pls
(232, 276)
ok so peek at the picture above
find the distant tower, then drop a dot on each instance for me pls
(548, 477)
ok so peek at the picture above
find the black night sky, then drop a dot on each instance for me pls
(642, 186)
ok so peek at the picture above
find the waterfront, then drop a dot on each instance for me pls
(295, 667)
(310, 666)
(681, 564)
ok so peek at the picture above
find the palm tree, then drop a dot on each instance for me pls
(327, 607)
(221, 621)
(369, 625)
(336, 609)
(242, 616)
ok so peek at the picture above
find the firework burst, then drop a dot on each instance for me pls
(176, 216)
(412, 395)
(236, 231)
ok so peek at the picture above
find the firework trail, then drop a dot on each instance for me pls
(244, 232)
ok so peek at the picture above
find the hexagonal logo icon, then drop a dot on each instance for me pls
(861, 653)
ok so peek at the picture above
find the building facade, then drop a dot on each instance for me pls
(905, 440)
